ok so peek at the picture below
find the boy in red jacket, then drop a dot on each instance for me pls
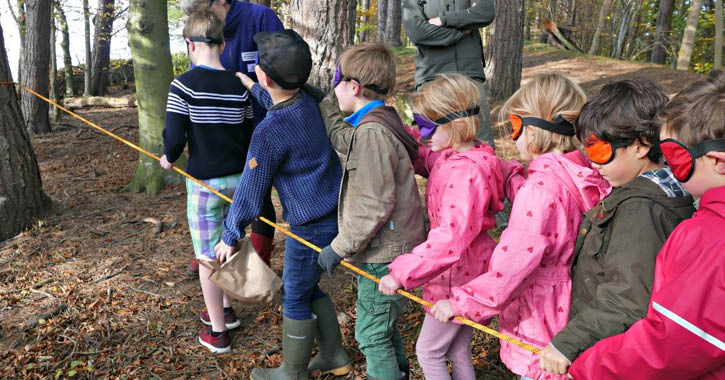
(683, 335)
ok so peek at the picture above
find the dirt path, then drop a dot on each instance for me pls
(126, 309)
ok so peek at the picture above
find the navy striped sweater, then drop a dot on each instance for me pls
(211, 110)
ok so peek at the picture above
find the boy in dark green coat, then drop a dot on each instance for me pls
(613, 269)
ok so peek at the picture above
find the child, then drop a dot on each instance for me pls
(380, 213)
(289, 149)
(465, 188)
(217, 144)
(683, 335)
(527, 283)
(620, 238)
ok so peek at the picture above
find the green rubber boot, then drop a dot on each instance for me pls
(332, 358)
(297, 340)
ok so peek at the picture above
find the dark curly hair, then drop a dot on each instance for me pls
(624, 111)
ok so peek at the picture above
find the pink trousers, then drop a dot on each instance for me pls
(438, 341)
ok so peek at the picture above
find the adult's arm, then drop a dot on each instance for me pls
(480, 15)
(421, 32)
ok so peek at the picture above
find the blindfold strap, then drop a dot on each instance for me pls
(560, 125)
(458, 115)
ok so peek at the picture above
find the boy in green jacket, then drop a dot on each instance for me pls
(619, 239)
(379, 211)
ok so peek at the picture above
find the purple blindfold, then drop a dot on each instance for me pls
(427, 126)
(339, 77)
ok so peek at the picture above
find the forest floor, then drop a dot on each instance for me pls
(92, 291)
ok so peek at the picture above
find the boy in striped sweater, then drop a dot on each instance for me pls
(210, 110)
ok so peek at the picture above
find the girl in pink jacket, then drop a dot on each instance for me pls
(527, 282)
(466, 186)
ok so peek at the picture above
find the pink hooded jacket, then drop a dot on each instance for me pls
(528, 282)
(464, 190)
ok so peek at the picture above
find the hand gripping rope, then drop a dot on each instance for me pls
(346, 264)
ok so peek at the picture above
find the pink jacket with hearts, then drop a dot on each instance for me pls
(464, 191)
(527, 282)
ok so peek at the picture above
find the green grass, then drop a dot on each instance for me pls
(538, 48)
(402, 51)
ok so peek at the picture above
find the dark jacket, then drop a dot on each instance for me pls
(613, 269)
(456, 46)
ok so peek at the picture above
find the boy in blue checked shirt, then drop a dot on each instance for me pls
(290, 150)
(211, 111)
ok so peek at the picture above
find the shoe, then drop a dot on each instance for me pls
(230, 319)
(332, 358)
(297, 339)
(193, 268)
(264, 247)
(218, 345)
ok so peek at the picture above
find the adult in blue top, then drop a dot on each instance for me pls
(242, 20)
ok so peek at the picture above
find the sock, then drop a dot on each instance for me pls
(228, 310)
(216, 334)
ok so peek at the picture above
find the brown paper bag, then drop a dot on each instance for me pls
(244, 276)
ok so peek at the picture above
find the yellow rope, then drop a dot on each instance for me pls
(346, 264)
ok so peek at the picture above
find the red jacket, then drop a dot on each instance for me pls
(683, 335)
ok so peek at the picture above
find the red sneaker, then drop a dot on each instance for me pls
(193, 267)
(218, 345)
(230, 319)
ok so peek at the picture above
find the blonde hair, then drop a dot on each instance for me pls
(372, 64)
(544, 97)
(204, 23)
(446, 94)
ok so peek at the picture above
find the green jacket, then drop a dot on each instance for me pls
(613, 269)
(379, 213)
(456, 46)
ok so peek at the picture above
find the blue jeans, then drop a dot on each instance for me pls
(301, 273)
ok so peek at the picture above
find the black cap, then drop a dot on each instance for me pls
(285, 57)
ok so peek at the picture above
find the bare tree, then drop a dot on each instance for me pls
(53, 69)
(688, 38)
(21, 190)
(65, 45)
(505, 52)
(36, 65)
(718, 34)
(597, 39)
(629, 9)
(382, 19)
(87, 40)
(328, 26)
(365, 32)
(102, 46)
(20, 22)
(662, 34)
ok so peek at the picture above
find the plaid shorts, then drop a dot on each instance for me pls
(206, 212)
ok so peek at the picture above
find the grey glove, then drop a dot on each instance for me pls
(328, 259)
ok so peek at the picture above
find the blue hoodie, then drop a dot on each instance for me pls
(243, 21)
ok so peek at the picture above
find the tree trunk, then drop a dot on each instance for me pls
(688, 38)
(624, 25)
(36, 65)
(382, 19)
(572, 13)
(505, 52)
(553, 10)
(597, 39)
(87, 39)
(148, 32)
(53, 71)
(633, 38)
(662, 34)
(328, 26)
(21, 190)
(102, 46)
(718, 34)
(20, 22)
(395, 19)
(65, 44)
(364, 34)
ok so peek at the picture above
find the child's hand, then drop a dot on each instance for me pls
(442, 311)
(223, 252)
(246, 81)
(388, 286)
(551, 360)
(165, 163)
